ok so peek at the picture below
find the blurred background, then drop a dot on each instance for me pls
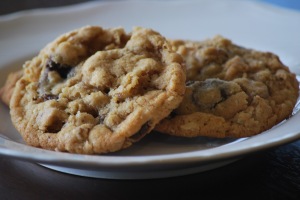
(9, 6)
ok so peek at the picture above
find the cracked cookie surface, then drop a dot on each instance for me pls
(232, 91)
(96, 90)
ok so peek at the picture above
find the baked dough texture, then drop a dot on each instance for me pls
(8, 88)
(96, 90)
(231, 91)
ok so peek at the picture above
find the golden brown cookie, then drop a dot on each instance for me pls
(231, 91)
(7, 90)
(96, 90)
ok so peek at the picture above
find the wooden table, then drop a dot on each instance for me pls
(272, 174)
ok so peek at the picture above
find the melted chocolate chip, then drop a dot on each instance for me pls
(141, 133)
(172, 114)
(93, 112)
(207, 94)
(223, 93)
(62, 69)
(106, 90)
(49, 96)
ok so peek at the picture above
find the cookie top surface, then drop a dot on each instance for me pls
(96, 90)
(232, 91)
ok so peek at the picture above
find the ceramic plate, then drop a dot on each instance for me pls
(247, 23)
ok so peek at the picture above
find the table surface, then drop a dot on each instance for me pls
(271, 174)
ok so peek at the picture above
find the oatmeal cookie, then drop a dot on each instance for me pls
(96, 90)
(231, 91)
(7, 90)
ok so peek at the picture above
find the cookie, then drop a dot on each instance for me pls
(231, 91)
(96, 90)
(7, 90)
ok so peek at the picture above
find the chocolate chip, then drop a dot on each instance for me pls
(93, 112)
(172, 114)
(141, 133)
(223, 93)
(206, 94)
(62, 69)
(106, 90)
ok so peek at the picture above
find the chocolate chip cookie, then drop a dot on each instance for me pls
(231, 91)
(96, 90)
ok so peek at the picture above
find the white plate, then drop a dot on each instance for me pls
(247, 23)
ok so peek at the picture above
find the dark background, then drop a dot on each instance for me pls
(8, 6)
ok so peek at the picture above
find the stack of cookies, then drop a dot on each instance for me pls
(96, 90)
